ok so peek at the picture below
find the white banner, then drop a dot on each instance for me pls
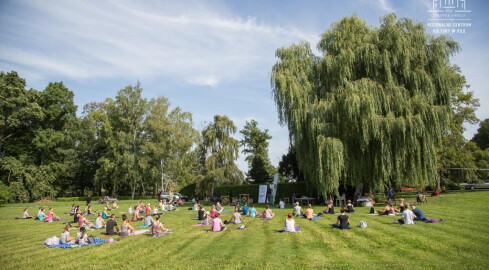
(262, 194)
(274, 187)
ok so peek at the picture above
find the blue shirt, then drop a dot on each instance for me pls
(419, 214)
(245, 209)
(252, 212)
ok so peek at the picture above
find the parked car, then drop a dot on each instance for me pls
(176, 195)
(473, 186)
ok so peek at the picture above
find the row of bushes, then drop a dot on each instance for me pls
(284, 190)
(94, 199)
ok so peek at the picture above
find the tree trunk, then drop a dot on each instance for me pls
(142, 185)
(133, 191)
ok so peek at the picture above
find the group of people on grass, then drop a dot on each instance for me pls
(212, 218)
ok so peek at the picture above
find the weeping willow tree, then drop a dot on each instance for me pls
(372, 108)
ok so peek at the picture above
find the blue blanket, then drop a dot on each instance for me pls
(98, 241)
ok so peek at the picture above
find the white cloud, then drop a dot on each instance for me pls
(386, 6)
(201, 45)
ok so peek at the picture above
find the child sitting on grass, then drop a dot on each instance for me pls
(65, 235)
(217, 224)
(349, 207)
(343, 221)
(82, 237)
(236, 217)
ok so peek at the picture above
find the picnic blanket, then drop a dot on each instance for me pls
(144, 226)
(97, 241)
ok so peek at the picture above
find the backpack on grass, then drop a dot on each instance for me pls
(363, 224)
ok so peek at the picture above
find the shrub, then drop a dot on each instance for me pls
(4, 194)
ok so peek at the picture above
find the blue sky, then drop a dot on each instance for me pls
(208, 57)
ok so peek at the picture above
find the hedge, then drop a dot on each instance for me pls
(284, 190)
(95, 198)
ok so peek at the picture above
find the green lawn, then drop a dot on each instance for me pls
(460, 242)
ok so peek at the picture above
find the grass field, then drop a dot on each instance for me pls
(460, 242)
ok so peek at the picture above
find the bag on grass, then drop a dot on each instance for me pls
(91, 240)
(363, 224)
(52, 241)
(372, 210)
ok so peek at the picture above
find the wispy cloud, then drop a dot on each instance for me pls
(201, 45)
(386, 6)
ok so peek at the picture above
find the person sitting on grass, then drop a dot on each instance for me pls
(202, 214)
(130, 210)
(84, 222)
(310, 213)
(236, 217)
(388, 210)
(77, 215)
(213, 211)
(156, 212)
(51, 216)
(82, 237)
(349, 207)
(238, 207)
(25, 214)
(281, 204)
(195, 207)
(114, 205)
(268, 213)
(107, 205)
(157, 228)
(40, 214)
(135, 216)
(252, 212)
(401, 207)
(99, 222)
(298, 210)
(73, 210)
(126, 228)
(245, 209)
(407, 216)
(148, 220)
(147, 209)
(343, 221)
(419, 214)
(290, 225)
(89, 210)
(217, 224)
(104, 213)
(65, 235)
(111, 225)
(330, 208)
(219, 208)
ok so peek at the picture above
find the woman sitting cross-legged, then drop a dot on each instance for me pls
(310, 213)
(290, 225)
(236, 217)
(135, 215)
(126, 228)
(158, 229)
(349, 207)
(268, 213)
(99, 222)
(25, 214)
(343, 221)
(65, 236)
(84, 222)
(330, 208)
(388, 210)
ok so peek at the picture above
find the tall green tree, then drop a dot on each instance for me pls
(372, 108)
(481, 138)
(289, 168)
(255, 143)
(170, 137)
(218, 152)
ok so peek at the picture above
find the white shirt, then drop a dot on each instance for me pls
(130, 211)
(297, 210)
(282, 204)
(289, 225)
(408, 216)
(64, 236)
(98, 223)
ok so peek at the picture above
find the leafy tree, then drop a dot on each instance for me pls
(218, 152)
(168, 145)
(481, 138)
(289, 168)
(372, 108)
(255, 143)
